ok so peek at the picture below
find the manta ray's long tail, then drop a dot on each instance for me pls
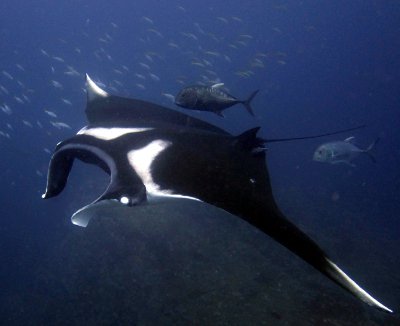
(299, 243)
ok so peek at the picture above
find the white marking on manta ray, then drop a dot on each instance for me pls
(124, 200)
(93, 90)
(141, 161)
(362, 294)
(110, 133)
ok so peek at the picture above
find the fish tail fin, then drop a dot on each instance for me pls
(290, 236)
(369, 149)
(247, 102)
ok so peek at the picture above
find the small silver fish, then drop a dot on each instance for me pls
(6, 109)
(51, 113)
(68, 102)
(60, 125)
(5, 73)
(154, 77)
(57, 84)
(341, 152)
(169, 96)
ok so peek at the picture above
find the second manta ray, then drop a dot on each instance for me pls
(210, 98)
(153, 153)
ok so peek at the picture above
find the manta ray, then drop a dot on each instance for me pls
(153, 153)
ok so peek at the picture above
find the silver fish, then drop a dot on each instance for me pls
(341, 152)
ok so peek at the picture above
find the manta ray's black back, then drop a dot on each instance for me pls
(123, 112)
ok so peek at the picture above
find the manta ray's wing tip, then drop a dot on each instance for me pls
(354, 288)
(93, 90)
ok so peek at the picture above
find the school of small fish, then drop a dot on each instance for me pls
(164, 61)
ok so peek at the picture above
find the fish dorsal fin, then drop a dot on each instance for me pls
(218, 85)
(248, 140)
(93, 91)
(349, 139)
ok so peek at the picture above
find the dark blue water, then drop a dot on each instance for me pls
(320, 66)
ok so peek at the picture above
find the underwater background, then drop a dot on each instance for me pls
(320, 66)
